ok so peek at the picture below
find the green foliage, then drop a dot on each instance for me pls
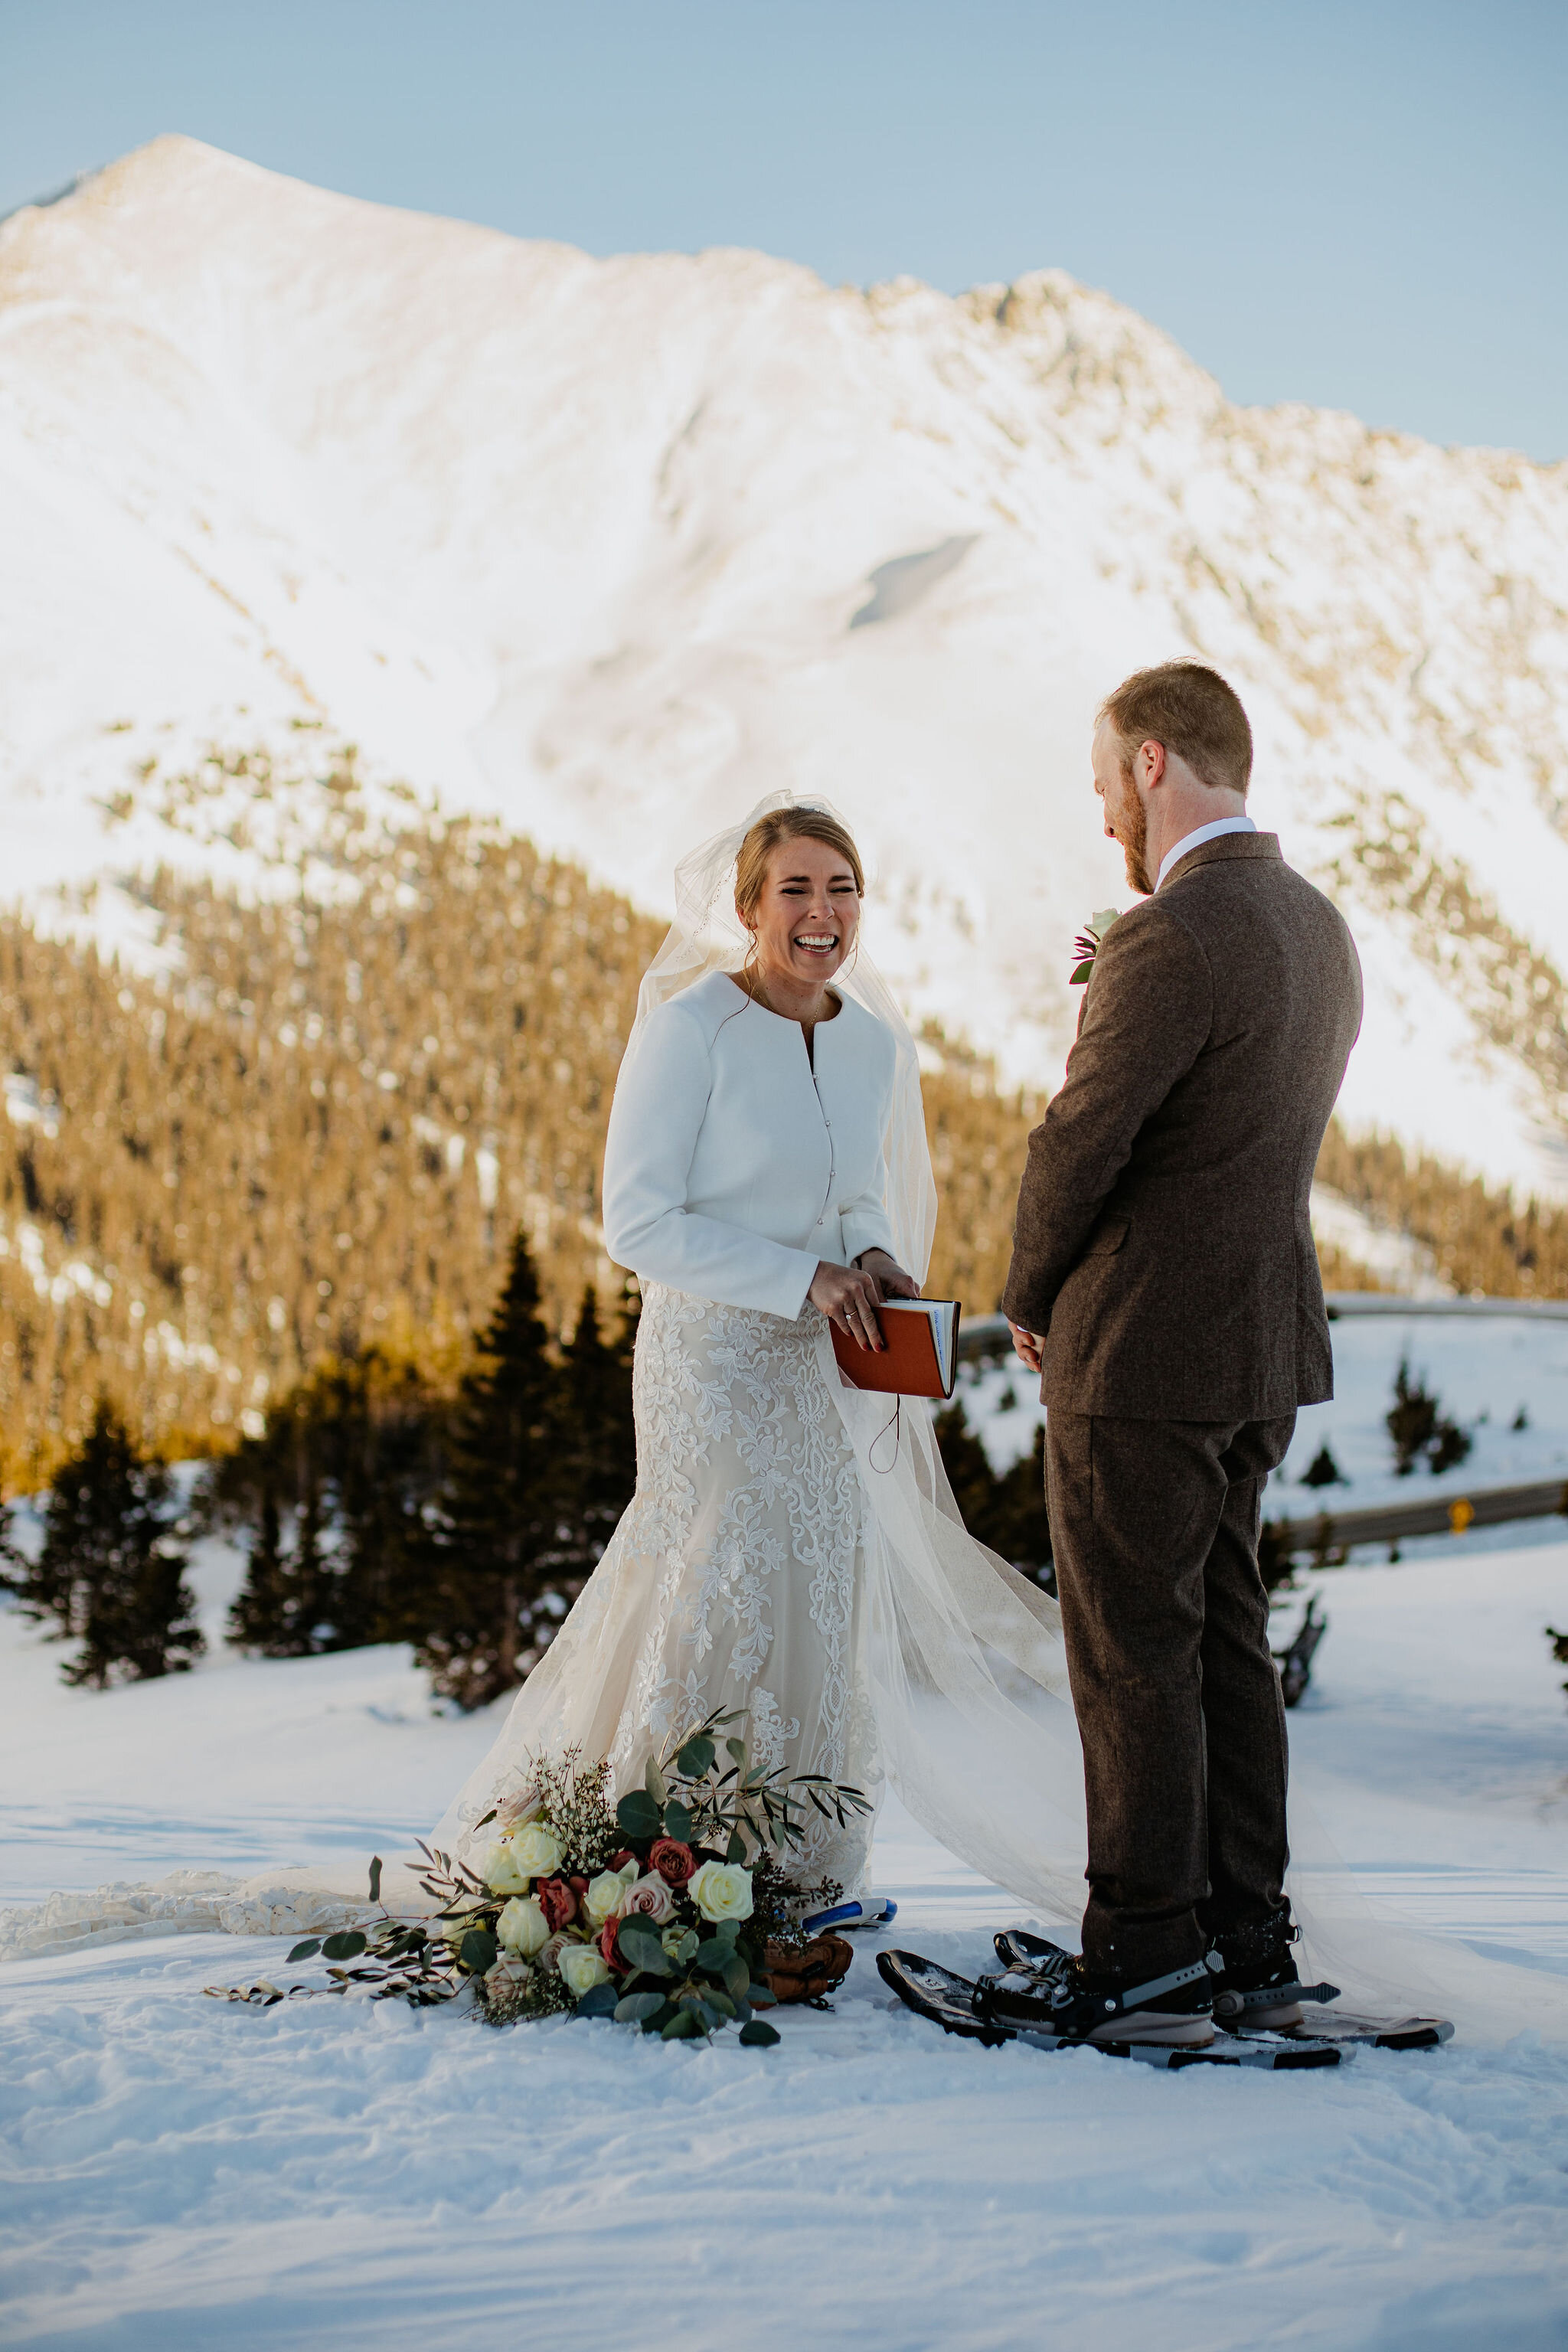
(1420, 1429)
(507, 1551)
(1322, 1470)
(1559, 1647)
(331, 1505)
(110, 1572)
(376, 1507)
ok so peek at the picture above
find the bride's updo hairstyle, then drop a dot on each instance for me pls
(788, 825)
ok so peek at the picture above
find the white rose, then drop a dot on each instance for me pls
(522, 1927)
(606, 1898)
(535, 1851)
(721, 1890)
(497, 1868)
(582, 1967)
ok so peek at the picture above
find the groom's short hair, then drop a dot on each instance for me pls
(1191, 712)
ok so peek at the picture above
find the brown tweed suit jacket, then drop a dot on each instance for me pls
(1163, 1244)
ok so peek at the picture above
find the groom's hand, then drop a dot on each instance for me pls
(1027, 1345)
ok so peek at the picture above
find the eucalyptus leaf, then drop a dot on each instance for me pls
(477, 1952)
(654, 1781)
(695, 1757)
(599, 2000)
(636, 2008)
(758, 2036)
(375, 1878)
(719, 2002)
(307, 1950)
(676, 1820)
(736, 1849)
(637, 1814)
(761, 1996)
(346, 1945)
(684, 2026)
(737, 1976)
(737, 1748)
(641, 1949)
(686, 1949)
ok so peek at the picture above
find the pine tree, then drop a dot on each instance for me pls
(331, 1502)
(108, 1572)
(598, 1438)
(502, 1548)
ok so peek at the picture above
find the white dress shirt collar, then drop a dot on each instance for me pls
(1222, 824)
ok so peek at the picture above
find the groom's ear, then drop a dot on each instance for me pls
(1151, 763)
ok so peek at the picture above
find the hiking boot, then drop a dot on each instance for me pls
(1258, 1983)
(1080, 2005)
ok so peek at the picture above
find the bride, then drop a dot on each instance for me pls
(766, 1173)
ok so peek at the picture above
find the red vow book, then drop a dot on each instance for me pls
(920, 1358)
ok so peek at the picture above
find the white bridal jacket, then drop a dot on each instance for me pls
(732, 1167)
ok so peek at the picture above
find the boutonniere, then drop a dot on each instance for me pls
(1088, 944)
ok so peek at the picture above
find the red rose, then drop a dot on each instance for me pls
(674, 1863)
(578, 1885)
(607, 1945)
(557, 1902)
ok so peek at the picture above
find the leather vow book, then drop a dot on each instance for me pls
(920, 1358)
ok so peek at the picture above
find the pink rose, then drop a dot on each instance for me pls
(619, 1860)
(651, 1897)
(674, 1863)
(557, 1902)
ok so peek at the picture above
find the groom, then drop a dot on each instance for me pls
(1165, 1284)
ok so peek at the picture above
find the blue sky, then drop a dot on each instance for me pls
(1360, 206)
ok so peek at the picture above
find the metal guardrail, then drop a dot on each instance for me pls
(1438, 1515)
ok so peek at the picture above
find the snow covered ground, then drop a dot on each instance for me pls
(181, 2172)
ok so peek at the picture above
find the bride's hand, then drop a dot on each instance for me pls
(888, 1275)
(848, 1297)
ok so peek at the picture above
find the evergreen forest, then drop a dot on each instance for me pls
(301, 1178)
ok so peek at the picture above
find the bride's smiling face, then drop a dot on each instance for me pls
(808, 913)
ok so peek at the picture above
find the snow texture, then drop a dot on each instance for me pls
(612, 546)
(182, 2172)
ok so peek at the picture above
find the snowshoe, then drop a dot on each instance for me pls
(951, 2001)
(1023, 1953)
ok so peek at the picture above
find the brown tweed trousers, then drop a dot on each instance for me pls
(1163, 1251)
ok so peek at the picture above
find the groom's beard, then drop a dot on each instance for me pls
(1134, 848)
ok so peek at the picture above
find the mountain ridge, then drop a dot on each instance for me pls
(583, 542)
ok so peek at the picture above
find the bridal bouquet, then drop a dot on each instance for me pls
(656, 1911)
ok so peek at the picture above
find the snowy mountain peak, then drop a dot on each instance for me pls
(612, 546)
